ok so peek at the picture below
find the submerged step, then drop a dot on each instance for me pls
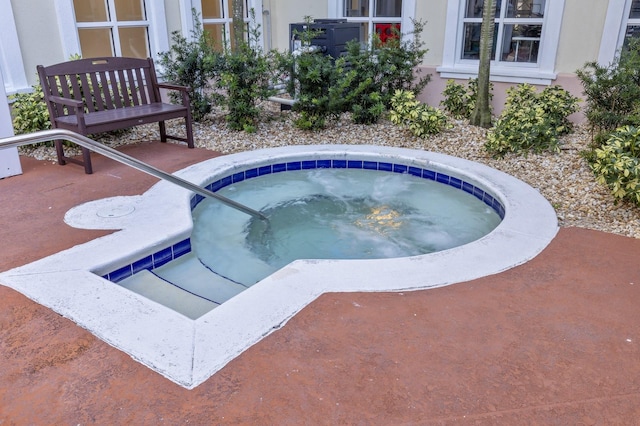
(188, 273)
(155, 288)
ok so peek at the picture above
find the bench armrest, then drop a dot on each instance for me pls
(66, 101)
(184, 91)
(170, 86)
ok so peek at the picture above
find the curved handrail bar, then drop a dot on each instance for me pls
(48, 135)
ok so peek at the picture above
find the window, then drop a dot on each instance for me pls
(379, 16)
(633, 23)
(217, 20)
(524, 46)
(518, 27)
(112, 28)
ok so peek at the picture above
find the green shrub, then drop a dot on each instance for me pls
(245, 76)
(30, 113)
(419, 118)
(460, 101)
(193, 63)
(617, 164)
(361, 82)
(456, 100)
(613, 91)
(531, 121)
(399, 58)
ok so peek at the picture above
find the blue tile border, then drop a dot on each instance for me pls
(150, 262)
(183, 247)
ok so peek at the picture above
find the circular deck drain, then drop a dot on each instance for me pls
(116, 211)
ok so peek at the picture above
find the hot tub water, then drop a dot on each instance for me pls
(333, 214)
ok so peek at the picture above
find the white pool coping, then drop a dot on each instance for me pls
(189, 351)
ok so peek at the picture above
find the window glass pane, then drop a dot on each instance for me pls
(633, 31)
(133, 42)
(356, 8)
(471, 46)
(521, 43)
(216, 34)
(95, 42)
(635, 10)
(130, 10)
(391, 8)
(90, 10)
(211, 9)
(525, 8)
(387, 31)
(474, 8)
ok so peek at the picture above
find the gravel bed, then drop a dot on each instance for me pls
(564, 179)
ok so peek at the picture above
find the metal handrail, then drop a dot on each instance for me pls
(48, 135)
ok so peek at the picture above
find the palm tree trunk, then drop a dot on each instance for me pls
(481, 115)
(237, 13)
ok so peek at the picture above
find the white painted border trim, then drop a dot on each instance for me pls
(190, 351)
(613, 32)
(11, 64)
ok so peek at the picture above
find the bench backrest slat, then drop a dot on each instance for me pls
(86, 91)
(97, 95)
(114, 88)
(133, 88)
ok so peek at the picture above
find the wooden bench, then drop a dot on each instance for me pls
(97, 95)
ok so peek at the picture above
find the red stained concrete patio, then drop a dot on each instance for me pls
(555, 341)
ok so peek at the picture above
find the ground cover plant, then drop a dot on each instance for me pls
(617, 164)
(459, 101)
(532, 121)
(421, 119)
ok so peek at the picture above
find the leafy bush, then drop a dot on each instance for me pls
(30, 113)
(421, 119)
(245, 76)
(532, 121)
(613, 91)
(193, 63)
(460, 101)
(361, 82)
(456, 100)
(617, 164)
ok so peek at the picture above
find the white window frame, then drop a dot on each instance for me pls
(187, 18)
(542, 72)
(335, 11)
(156, 21)
(11, 64)
(615, 28)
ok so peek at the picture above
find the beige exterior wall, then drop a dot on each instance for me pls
(38, 34)
(433, 14)
(582, 26)
(281, 13)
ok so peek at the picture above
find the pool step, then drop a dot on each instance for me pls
(155, 288)
(188, 273)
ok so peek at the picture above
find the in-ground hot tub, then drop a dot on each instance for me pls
(188, 351)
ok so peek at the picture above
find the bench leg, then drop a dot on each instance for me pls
(163, 131)
(60, 152)
(187, 123)
(86, 159)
